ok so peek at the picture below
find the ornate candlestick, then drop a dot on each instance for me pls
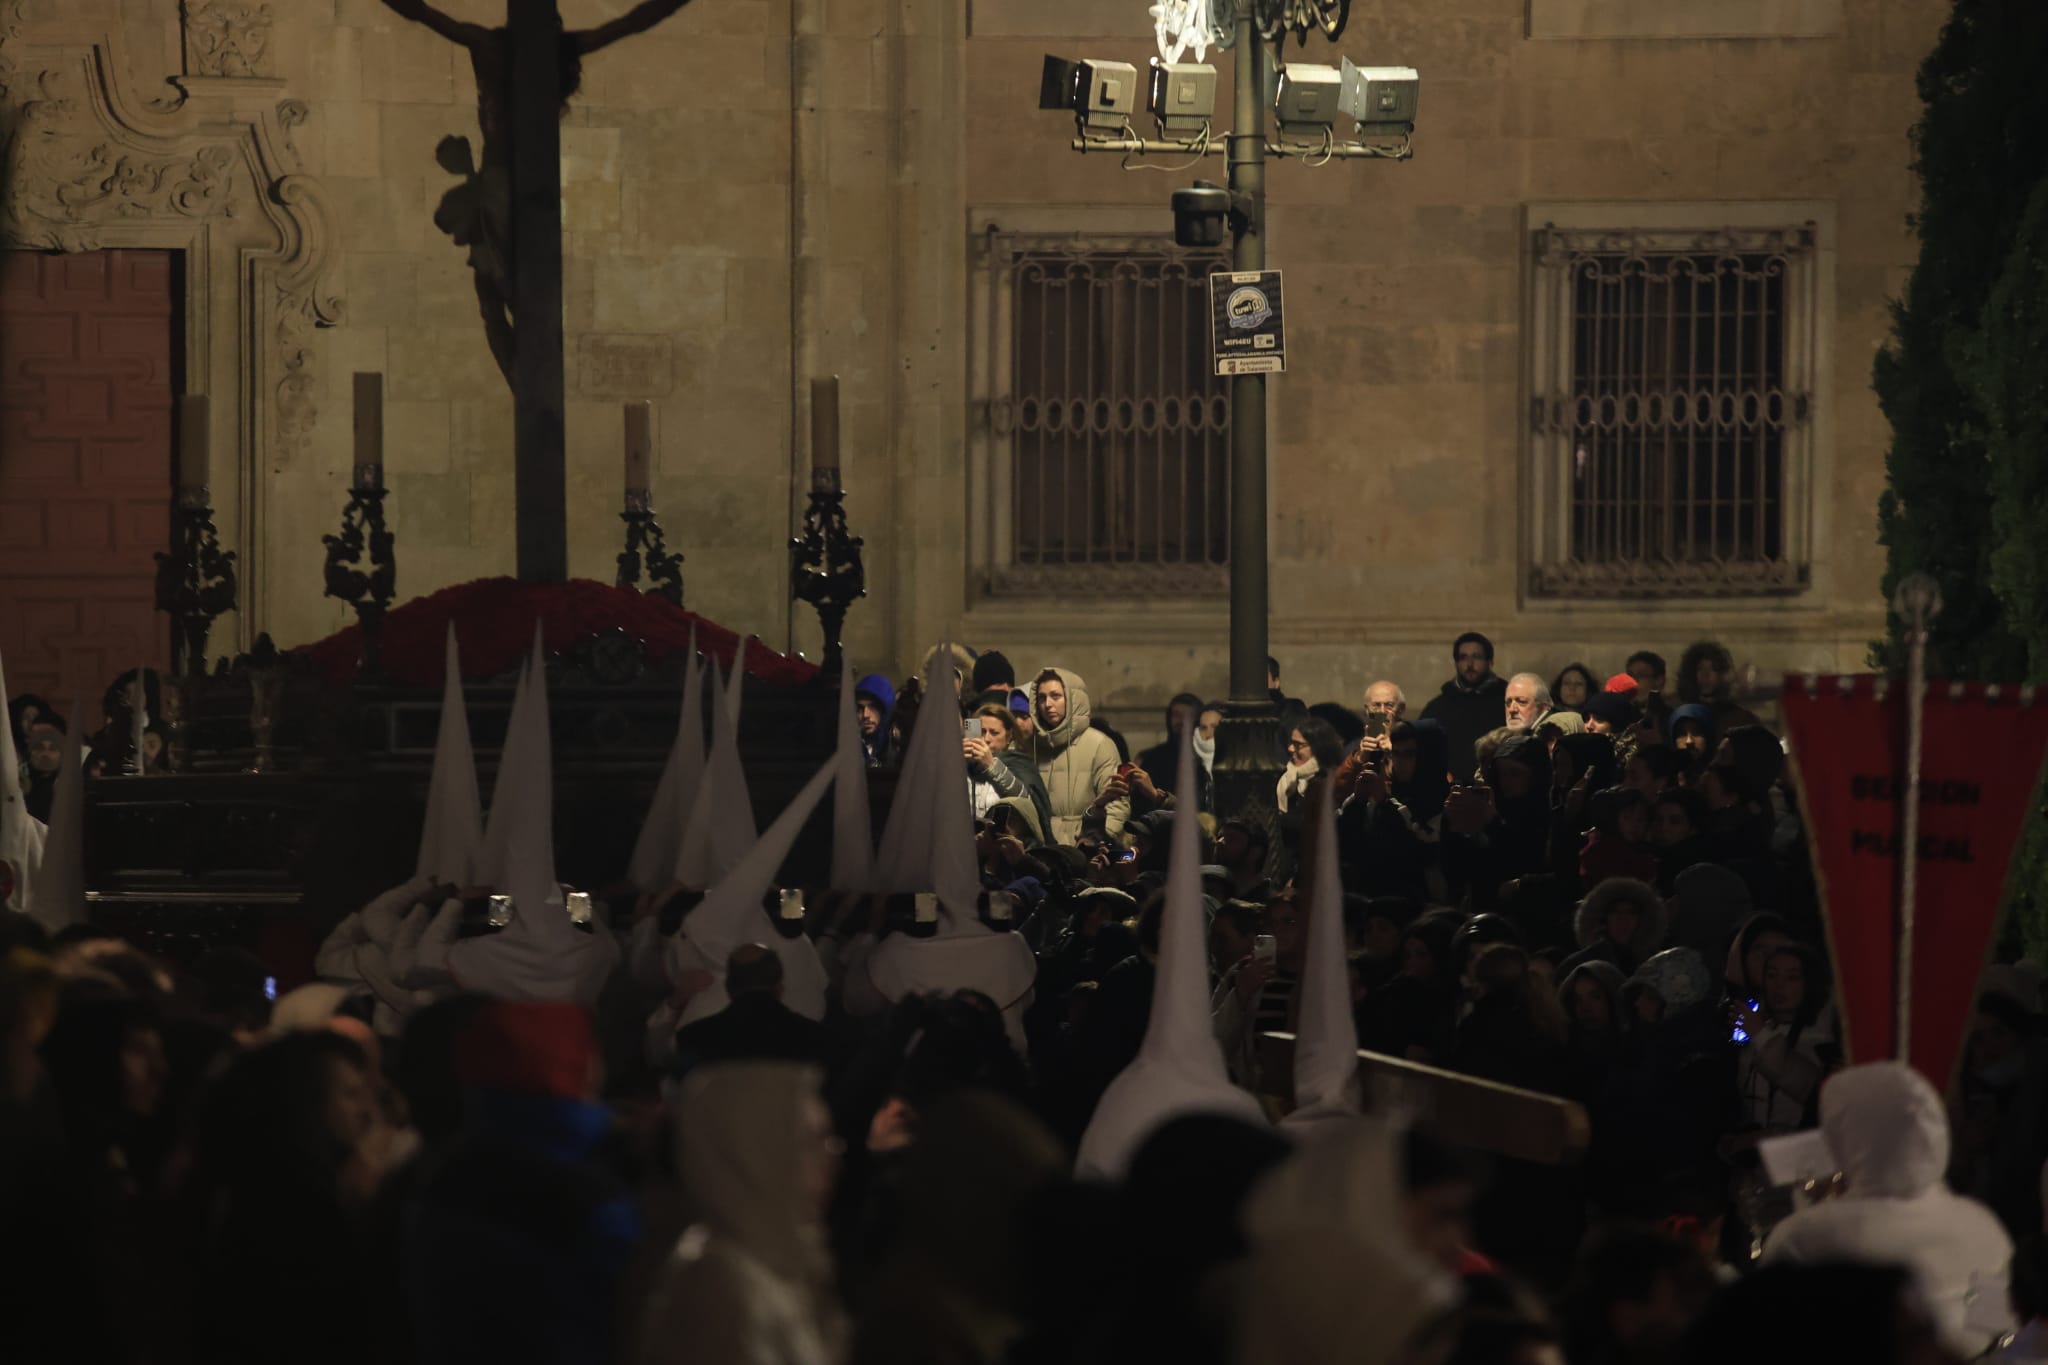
(195, 582)
(361, 569)
(825, 566)
(646, 546)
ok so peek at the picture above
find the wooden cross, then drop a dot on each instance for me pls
(508, 212)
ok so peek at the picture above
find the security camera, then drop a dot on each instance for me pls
(1307, 98)
(1381, 98)
(1182, 96)
(1200, 214)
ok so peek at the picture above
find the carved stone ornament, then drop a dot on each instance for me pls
(208, 170)
(227, 38)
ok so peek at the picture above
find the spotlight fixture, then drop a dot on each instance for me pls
(1306, 101)
(1106, 95)
(1181, 96)
(1381, 98)
(1057, 85)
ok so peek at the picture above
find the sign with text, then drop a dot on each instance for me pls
(1980, 763)
(1245, 333)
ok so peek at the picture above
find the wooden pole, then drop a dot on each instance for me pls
(534, 100)
(1483, 1115)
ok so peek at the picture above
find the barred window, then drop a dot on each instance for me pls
(1106, 433)
(1670, 410)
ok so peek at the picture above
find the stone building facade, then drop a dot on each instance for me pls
(764, 190)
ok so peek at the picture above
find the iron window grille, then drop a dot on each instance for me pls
(1670, 410)
(1105, 433)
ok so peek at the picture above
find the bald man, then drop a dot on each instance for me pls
(756, 1026)
(1387, 699)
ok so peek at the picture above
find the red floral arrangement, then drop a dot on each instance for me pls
(494, 628)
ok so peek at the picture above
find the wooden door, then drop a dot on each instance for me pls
(87, 347)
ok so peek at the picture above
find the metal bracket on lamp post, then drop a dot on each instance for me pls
(361, 569)
(647, 547)
(825, 567)
(195, 581)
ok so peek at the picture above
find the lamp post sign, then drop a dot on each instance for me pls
(1246, 333)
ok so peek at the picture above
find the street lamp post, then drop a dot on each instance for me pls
(1248, 600)
(1381, 100)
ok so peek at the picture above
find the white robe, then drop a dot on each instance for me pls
(1889, 1130)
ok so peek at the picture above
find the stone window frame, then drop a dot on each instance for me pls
(1681, 19)
(994, 581)
(1809, 450)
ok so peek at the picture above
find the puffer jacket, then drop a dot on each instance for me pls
(1889, 1130)
(1077, 763)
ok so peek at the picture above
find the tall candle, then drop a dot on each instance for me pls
(138, 722)
(825, 423)
(192, 437)
(639, 446)
(369, 471)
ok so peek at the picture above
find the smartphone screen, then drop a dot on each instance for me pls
(1265, 948)
(270, 988)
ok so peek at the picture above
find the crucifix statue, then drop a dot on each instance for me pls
(508, 213)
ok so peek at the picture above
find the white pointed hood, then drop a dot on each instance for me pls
(1326, 1082)
(59, 892)
(721, 826)
(731, 915)
(523, 801)
(661, 836)
(495, 851)
(1179, 1068)
(21, 834)
(451, 843)
(853, 836)
(928, 844)
(540, 955)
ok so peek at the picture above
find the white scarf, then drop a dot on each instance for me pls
(1294, 781)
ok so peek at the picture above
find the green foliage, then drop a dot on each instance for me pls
(1980, 148)
(2007, 374)
(1964, 381)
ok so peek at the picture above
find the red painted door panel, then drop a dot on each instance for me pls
(87, 343)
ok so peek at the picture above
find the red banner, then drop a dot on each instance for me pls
(1981, 757)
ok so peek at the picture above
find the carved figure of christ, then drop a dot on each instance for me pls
(507, 212)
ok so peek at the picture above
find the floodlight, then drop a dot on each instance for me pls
(1381, 98)
(1307, 98)
(1106, 96)
(1182, 96)
(1056, 87)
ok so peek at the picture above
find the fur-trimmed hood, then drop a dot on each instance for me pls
(1589, 924)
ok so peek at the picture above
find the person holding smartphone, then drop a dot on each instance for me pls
(996, 771)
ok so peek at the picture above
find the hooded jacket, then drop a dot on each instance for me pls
(1887, 1127)
(1077, 763)
(1589, 925)
(750, 1280)
(1467, 713)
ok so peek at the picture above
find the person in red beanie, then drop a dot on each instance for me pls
(519, 1237)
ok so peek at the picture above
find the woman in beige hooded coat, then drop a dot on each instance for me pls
(1078, 763)
(750, 1280)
